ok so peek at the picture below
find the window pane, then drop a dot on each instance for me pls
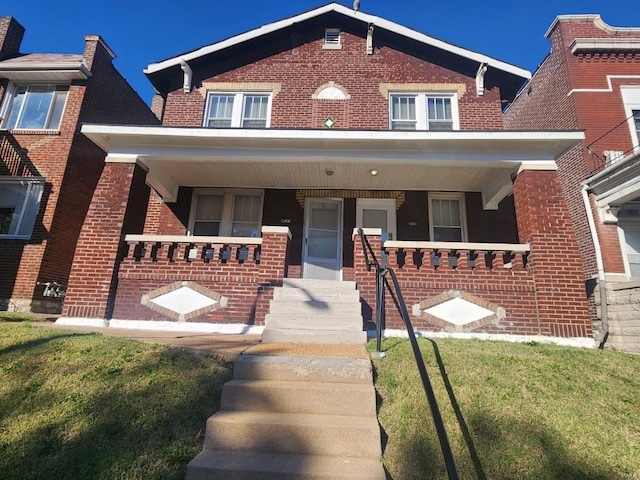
(209, 207)
(444, 234)
(323, 244)
(403, 108)
(324, 218)
(59, 100)
(210, 229)
(220, 111)
(255, 111)
(243, 229)
(636, 119)
(19, 202)
(246, 208)
(436, 215)
(36, 108)
(439, 114)
(16, 105)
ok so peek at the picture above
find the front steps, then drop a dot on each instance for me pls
(315, 311)
(293, 417)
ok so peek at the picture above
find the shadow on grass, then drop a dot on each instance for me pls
(39, 341)
(121, 417)
(499, 446)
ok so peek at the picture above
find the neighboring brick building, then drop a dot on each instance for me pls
(275, 144)
(591, 81)
(48, 169)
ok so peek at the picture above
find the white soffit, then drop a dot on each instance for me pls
(606, 44)
(334, 7)
(50, 72)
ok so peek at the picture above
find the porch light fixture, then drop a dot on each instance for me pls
(329, 172)
(374, 172)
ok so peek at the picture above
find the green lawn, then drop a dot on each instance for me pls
(85, 406)
(524, 411)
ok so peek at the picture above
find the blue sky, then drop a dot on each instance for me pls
(142, 32)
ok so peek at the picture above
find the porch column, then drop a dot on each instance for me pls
(365, 280)
(118, 207)
(273, 266)
(544, 223)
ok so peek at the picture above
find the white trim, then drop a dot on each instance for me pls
(363, 17)
(228, 199)
(367, 231)
(272, 229)
(609, 88)
(631, 101)
(192, 239)
(480, 247)
(609, 44)
(548, 165)
(159, 326)
(580, 342)
(460, 196)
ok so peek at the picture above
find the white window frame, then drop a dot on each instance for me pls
(9, 97)
(228, 200)
(237, 118)
(631, 100)
(422, 122)
(31, 183)
(332, 39)
(448, 196)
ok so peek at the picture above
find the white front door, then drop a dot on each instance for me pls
(377, 213)
(322, 249)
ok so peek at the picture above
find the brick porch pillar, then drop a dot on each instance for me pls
(118, 208)
(544, 222)
(273, 266)
(366, 280)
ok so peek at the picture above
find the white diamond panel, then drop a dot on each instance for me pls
(458, 311)
(183, 300)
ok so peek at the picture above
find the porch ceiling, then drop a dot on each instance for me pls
(445, 161)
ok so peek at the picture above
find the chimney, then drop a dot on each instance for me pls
(11, 33)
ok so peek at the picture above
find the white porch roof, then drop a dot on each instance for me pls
(273, 158)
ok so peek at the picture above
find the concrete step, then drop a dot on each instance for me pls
(303, 369)
(336, 306)
(311, 284)
(227, 465)
(322, 335)
(349, 322)
(315, 294)
(322, 398)
(297, 433)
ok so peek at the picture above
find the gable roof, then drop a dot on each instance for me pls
(395, 28)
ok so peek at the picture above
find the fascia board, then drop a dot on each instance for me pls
(366, 18)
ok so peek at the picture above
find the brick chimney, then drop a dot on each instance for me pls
(11, 33)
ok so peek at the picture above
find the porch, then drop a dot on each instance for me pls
(507, 249)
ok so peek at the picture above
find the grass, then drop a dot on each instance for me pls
(84, 406)
(21, 317)
(512, 411)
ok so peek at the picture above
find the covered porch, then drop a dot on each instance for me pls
(229, 213)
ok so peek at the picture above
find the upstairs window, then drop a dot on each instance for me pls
(34, 107)
(19, 202)
(636, 121)
(227, 213)
(436, 112)
(237, 110)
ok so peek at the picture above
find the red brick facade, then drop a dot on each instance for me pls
(541, 290)
(71, 166)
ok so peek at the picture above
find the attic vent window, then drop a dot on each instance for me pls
(332, 39)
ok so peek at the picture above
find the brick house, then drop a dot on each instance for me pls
(48, 169)
(591, 79)
(277, 143)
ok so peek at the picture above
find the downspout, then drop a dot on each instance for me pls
(604, 314)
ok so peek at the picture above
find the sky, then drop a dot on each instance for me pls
(142, 32)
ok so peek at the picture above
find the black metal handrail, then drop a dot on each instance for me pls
(381, 283)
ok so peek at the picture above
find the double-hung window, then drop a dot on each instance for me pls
(227, 213)
(239, 110)
(19, 202)
(447, 217)
(636, 121)
(421, 111)
(34, 107)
